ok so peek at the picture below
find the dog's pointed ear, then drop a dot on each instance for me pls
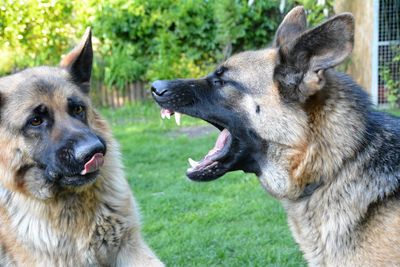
(294, 23)
(79, 61)
(304, 60)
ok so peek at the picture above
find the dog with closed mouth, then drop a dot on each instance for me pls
(64, 200)
(310, 135)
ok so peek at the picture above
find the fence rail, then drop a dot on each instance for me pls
(112, 97)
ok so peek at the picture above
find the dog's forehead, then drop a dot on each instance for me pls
(254, 59)
(41, 85)
(253, 69)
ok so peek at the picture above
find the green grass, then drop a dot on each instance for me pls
(228, 222)
(395, 112)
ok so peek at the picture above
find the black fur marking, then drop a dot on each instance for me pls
(81, 69)
(239, 86)
(289, 79)
(74, 102)
(258, 109)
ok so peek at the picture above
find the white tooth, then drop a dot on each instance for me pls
(193, 163)
(178, 118)
(162, 114)
(168, 115)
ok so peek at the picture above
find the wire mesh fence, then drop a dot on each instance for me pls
(388, 47)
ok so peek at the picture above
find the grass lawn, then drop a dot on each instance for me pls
(227, 222)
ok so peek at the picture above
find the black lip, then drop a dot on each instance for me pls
(214, 172)
(78, 180)
(63, 179)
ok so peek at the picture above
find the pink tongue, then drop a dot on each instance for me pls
(93, 164)
(166, 113)
(220, 143)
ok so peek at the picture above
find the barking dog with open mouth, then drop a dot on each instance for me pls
(310, 135)
(64, 200)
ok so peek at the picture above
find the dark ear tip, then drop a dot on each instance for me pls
(87, 36)
(347, 19)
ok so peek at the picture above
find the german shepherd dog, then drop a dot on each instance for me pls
(310, 135)
(64, 200)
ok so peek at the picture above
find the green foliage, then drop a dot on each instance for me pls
(391, 84)
(33, 32)
(317, 10)
(242, 26)
(135, 40)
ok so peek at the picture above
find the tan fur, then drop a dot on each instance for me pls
(45, 225)
(352, 218)
(306, 145)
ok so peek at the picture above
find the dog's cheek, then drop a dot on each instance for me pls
(10, 159)
(35, 184)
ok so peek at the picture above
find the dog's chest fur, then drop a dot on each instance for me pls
(340, 224)
(75, 232)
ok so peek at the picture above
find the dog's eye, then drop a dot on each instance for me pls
(220, 71)
(36, 121)
(77, 110)
(218, 82)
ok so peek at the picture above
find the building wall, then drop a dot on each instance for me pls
(360, 65)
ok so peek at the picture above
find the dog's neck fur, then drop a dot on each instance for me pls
(330, 139)
(348, 191)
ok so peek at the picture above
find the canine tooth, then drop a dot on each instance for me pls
(193, 163)
(178, 118)
(168, 115)
(162, 114)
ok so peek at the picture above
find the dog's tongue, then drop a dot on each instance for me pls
(220, 143)
(93, 164)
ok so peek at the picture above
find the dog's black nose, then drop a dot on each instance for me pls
(85, 149)
(159, 88)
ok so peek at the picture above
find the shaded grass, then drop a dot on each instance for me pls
(228, 222)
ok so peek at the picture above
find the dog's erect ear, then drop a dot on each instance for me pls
(294, 23)
(304, 60)
(79, 61)
(324, 46)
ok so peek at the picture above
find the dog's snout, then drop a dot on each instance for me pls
(159, 88)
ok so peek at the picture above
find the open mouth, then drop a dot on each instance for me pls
(210, 167)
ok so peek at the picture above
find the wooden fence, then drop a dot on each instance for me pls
(112, 97)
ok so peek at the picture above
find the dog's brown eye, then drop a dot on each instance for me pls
(36, 121)
(220, 71)
(218, 82)
(78, 110)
